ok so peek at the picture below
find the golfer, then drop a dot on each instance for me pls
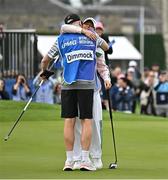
(79, 63)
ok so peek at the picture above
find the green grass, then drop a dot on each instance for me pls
(36, 148)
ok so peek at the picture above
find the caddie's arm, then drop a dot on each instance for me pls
(69, 28)
(52, 53)
(45, 62)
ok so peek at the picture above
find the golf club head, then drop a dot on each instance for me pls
(113, 166)
(6, 138)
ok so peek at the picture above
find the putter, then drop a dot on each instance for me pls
(26, 106)
(112, 165)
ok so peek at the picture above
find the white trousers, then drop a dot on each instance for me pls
(95, 148)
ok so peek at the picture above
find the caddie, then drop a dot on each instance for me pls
(78, 57)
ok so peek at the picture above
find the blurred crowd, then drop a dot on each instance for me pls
(131, 92)
(21, 89)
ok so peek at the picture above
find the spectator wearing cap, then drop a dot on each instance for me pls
(77, 88)
(137, 74)
(136, 81)
(130, 76)
(162, 94)
(100, 31)
(162, 85)
(133, 86)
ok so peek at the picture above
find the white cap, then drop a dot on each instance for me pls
(132, 64)
(131, 69)
(92, 20)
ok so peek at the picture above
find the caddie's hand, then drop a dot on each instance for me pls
(46, 74)
(89, 34)
(107, 84)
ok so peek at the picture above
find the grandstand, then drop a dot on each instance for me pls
(47, 14)
(119, 16)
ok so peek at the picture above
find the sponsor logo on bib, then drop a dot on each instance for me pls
(79, 55)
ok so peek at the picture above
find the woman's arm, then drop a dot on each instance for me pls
(103, 69)
(102, 44)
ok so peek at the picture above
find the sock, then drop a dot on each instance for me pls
(85, 155)
(69, 155)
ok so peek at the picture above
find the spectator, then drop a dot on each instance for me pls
(147, 96)
(21, 90)
(132, 85)
(156, 69)
(130, 77)
(137, 74)
(45, 93)
(100, 32)
(136, 81)
(146, 72)
(124, 96)
(162, 94)
(3, 94)
(162, 85)
(114, 74)
(113, 92)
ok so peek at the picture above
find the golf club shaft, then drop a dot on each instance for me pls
(23, 111)
(112, 126)
(26, 106)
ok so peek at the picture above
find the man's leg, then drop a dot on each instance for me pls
(86, 135)
(85, 99)
(69, 112)
(69, 124)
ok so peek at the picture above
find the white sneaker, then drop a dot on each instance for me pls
(68, 165)
(97, 163)
(77, 165)
(87, 166)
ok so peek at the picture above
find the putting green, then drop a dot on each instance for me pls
(36, 148)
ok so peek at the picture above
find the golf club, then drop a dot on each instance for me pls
(112, 165)
(30, 100)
